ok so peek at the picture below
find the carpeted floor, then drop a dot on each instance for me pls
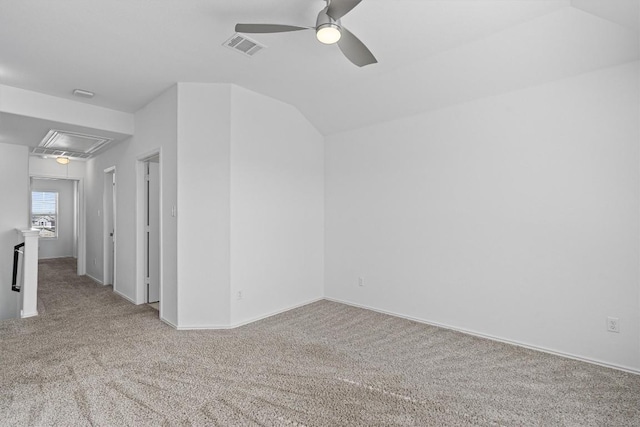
(92, 358)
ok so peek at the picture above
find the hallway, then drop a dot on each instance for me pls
(92, 358)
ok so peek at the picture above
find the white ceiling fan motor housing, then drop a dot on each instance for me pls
(328, 30)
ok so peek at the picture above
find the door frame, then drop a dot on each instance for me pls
(81, 268)
(105, 232)
(141, 287)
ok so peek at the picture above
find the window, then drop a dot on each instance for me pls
(44, 213)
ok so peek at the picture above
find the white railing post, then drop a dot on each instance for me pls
(29, 288)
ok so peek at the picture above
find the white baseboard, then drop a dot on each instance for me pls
(414, 319)
(58, 257)
(115, 291)
(24, 315)
(94, 279)
(274, 313)
(168, 323)
(493, 338)
(202, 327)
(246, 322)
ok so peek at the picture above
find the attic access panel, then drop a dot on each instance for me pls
(73, 142)
(58, 153)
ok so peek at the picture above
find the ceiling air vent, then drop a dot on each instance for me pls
(244, 45)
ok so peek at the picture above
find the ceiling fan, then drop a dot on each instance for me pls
(329, 30)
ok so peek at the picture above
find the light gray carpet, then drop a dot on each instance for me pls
(94, 359)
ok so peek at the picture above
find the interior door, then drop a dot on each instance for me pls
(153, 232)
(109, 213)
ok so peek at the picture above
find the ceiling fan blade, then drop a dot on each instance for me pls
(338, 8)
(355, 50)
(267, 28)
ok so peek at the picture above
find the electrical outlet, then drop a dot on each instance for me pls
(360, 281)
(239, 295)
(613, 324)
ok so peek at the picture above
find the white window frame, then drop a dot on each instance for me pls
(57, 230)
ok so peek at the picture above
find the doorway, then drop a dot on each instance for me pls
(152, 230)
(54, 209)
(109, 227)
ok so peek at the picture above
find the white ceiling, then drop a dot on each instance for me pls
(431, 53)
(29, 131)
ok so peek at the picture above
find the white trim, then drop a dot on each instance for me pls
(28, 232)
(81, 238)
(115, 291)
(246, 322)
(140, 229)
(203, 327)
(105, 233)
(58, 257)
(62, 177)
(24, 315)
(57, 193)
(168, 323)
(144, 157)
(99, 282)
(493, 338)
(140, 213)
(274, 313)
(81, 227)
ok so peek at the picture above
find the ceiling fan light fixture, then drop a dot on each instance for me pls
(328, 33)
(329, 30)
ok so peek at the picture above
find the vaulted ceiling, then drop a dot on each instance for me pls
(431, 53)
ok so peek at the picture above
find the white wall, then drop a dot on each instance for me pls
(156, 129)
(277, 207)
(46, 107)
(94, 202)
(75, 170)
(63, 245)
(514, 216)
(250, 206)
(15, 214)
(279, 204)
(203, 204)
(49, 168)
